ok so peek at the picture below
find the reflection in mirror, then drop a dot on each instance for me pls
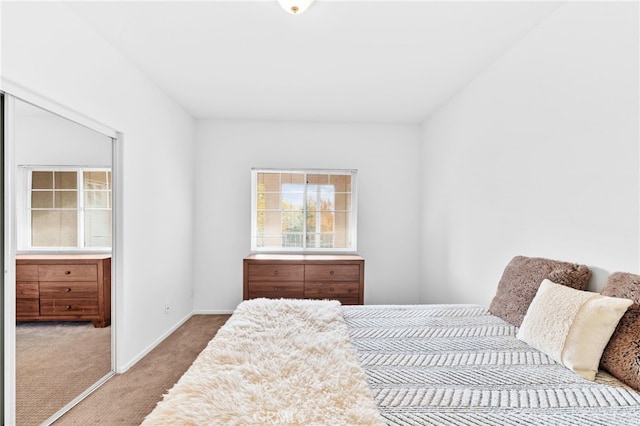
(63, 195)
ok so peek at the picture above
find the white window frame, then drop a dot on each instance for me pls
(24, 199)
(353, 215)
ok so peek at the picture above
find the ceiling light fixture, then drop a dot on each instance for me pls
(295, 7)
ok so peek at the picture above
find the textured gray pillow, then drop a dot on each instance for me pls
(521, 279)
(621, 357)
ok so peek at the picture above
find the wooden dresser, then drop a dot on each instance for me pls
(337, 277)
(64, 288)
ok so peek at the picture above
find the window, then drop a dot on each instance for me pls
(67, 208)
(303, 210)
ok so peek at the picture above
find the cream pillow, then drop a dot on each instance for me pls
(571, 326)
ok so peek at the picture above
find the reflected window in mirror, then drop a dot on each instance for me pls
(66, 208)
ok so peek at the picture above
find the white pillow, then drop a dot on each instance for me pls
(572, 326)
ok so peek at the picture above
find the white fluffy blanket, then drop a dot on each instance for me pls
(284, 362)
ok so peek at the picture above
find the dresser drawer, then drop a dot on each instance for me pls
(26, 272)
(331, 290)
(68, 306)
(27, 290)
(290, 289)
(69, 290)
(27, 307)
(274, 272)
(332, 273)
(67, 272)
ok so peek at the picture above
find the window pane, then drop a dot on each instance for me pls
(271, 233)
(292, 178)
(97, 228)
(66, 180)
(311, 220)
(317, 179)
(69, 229)
(292, 229)
(54, 228)
(42, 180)
(292, 222)
(96, 199)
(322, 196)
(320, 240)
(260, 222)
(293, 197)
(66, 199)
(96, 180)
(341, 183)
(343, 202)
(41, 199)
(326, 221)
(270, 181)
(341, 230)
(271, 201)
(44, 228)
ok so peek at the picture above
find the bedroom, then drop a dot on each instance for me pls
(567, 87)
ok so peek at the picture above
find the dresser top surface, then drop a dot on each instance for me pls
(88, 256)
(304, 257)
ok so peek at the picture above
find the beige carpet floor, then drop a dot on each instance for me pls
(56, 362)
(127, 398)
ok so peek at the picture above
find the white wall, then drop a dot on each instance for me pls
(538, 156)
(388, 161)
(46, 139)
(50, 51)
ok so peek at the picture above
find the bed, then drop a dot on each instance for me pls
(460, 365)
(312, 362)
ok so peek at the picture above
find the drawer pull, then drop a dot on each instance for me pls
(331, 273)
(68, 290)
(67, 272)
(330, 288)
(68, 307)
(275, 272)
(276, 289)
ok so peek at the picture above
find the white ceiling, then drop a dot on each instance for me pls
(345, 61)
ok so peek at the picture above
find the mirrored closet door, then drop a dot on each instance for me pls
(63, 227)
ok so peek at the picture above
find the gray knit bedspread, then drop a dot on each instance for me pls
(460, 365)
